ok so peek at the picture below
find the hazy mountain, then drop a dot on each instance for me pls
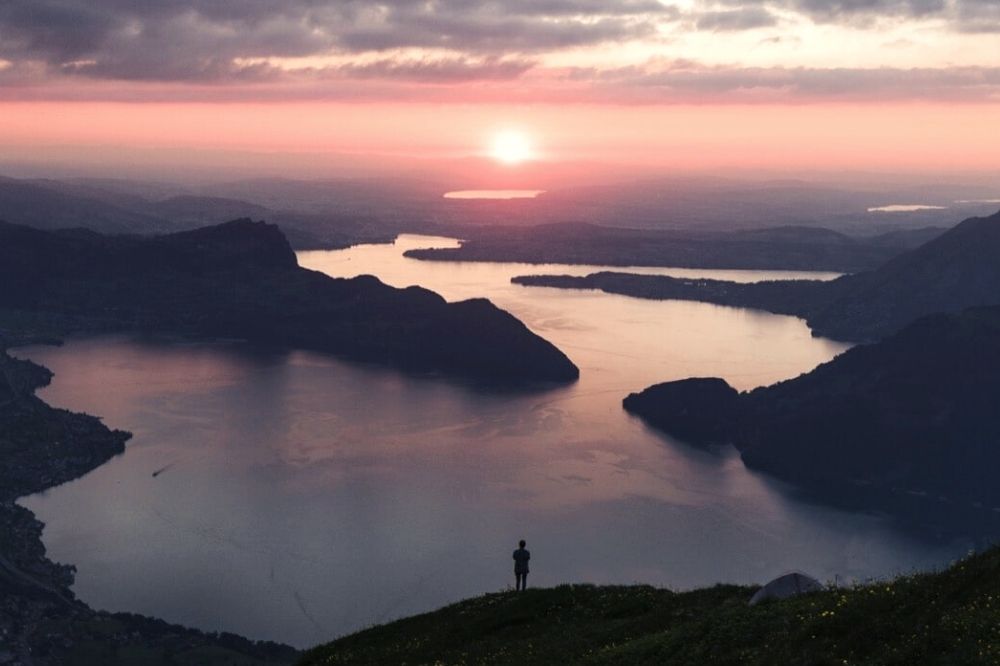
(242, 280)
(142, 190)
(126, 207)
(45, 207)
(728, 204)
(336, 213)
(127, 194)
(196, 210)
(384, 197)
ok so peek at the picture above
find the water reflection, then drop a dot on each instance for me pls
(300, 497)
(493, 194)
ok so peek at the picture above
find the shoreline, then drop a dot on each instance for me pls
(41, 620)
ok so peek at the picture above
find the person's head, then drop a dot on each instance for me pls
(521, 543)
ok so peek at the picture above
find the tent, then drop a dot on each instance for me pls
(789, 585)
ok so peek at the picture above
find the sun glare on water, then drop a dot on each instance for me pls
(511, 147)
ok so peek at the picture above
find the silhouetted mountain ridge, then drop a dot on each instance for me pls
(241, 280)
(959, 269)
(956, 270)
(775, 248)
(915, 413)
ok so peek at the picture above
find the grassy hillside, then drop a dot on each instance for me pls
(950, 617)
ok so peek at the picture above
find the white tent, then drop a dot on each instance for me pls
(789, 585)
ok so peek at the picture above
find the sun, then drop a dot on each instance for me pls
(511, 147)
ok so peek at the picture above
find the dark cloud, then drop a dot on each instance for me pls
(979, 16)
(737, 19)
(231, 40)
(492, 34)
(684, 81)
(848, 10)
(209, 39)
(394, 79)
(52, 31)
(440, 70)
(960, 15)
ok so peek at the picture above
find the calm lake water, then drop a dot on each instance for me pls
(493, 194)
(297, 497)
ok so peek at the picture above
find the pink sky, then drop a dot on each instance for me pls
(902, 85)
(897, 137)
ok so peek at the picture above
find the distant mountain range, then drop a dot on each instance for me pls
(951, 272)
(242, 280)
(340, 214)
(335, 213)
(728, 204)
(43, 207)
(777, 248)
(116, 207)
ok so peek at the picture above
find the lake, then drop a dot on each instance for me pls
(492, 194)
(296, 497)
(904, 208)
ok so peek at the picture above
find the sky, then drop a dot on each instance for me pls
(902, 85)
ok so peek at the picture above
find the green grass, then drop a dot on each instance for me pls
(948, 618)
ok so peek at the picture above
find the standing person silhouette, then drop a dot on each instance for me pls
(521, 557)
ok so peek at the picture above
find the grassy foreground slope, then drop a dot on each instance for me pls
(950, 617)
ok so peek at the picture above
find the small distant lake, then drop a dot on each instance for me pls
(904, 208)
(493, 194)
(298, 497)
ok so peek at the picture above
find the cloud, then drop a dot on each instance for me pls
(685, 81)
(435, 70)
(287, 47)
(493, 34)
(205, 39)
(508, 81)
(850, 10)
(737, 19)
(54, 31)
(979, 16)
(956, 15)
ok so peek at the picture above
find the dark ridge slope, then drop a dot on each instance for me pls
(915, 413)
(241, 280)
(957, 270)
(947, 617)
